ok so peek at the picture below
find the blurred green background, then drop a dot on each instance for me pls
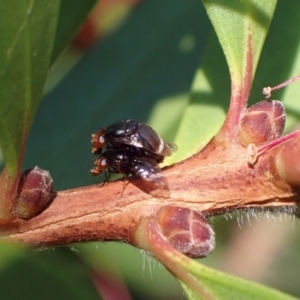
(147, 69)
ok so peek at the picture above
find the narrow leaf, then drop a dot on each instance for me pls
(27, 34)
(226, 287)
(234, 21)
(206, 110)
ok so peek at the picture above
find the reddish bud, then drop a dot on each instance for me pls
(263, 122)
(34, 193)
(288, 163)
(187, 231)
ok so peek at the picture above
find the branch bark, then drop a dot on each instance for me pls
(216, 180)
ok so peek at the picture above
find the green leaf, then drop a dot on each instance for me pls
(27, 34)
(241, 27)
(222, 286)
(206, 109)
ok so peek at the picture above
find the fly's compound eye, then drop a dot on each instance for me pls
(100, 166)
(98, 141)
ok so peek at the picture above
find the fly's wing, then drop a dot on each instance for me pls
(147, 176)
(170, 148)
(148, 139)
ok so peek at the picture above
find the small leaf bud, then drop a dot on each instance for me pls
(263, 122)
(288, 163)
(35, 192)
(187, 231)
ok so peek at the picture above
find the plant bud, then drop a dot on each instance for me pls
(35, 192)
(187, 231)
(288, 163)
(263, 122)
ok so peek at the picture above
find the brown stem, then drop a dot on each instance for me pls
(218, 179)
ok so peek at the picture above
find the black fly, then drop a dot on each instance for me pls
(131, 133)
(134, 149)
